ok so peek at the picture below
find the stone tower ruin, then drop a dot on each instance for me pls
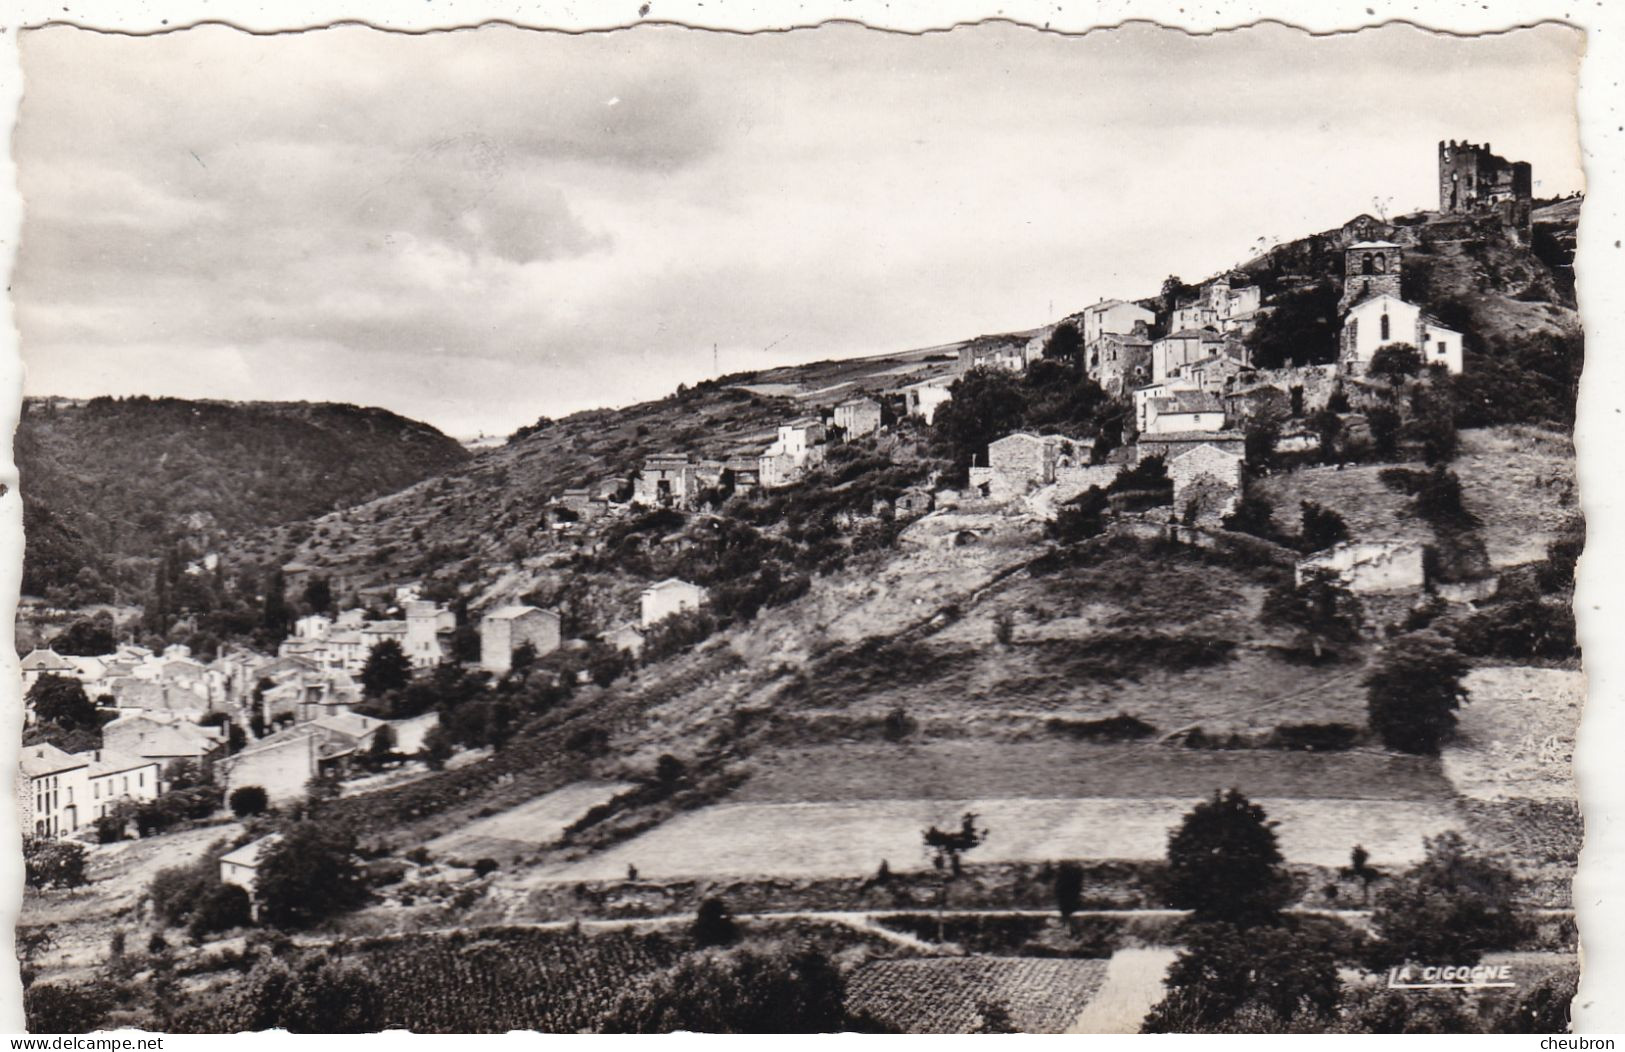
(1474, 179)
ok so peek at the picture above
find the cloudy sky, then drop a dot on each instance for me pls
(481, 227)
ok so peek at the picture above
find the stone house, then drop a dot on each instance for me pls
(665, 598)
(428, 632)
(993, 352)
(152, 737)
(281, 764)
(912, 503)
(1120, 361)
(1112, 316)
(1020, 463)
(800, 445)
(507, 628)
(1207, 481)
(1370, 566)
(1181, 348)
(1169, 445)
(667, 480)
(745, 473)
(1183, 410)
(1381, 320)
(858, 417)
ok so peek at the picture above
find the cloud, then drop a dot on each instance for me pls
(481, 227)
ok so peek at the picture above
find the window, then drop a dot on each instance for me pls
(141, 779)
(1385, 328)
(1367, 265)
(1382, 263)
(1441, 349)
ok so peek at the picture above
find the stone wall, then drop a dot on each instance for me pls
(1072, 480)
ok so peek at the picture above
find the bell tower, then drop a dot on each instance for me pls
(1370, 268)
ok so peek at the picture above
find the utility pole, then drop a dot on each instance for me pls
(714, 370)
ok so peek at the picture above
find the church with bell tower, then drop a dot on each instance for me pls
(1370, 268)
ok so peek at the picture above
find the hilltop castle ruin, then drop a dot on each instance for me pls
(1473, 179)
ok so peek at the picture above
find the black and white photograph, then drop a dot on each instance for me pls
(988, 531)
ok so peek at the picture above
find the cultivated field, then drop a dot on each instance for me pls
(527, 827)
(956, 995)
(852, 838)
(1515, 738)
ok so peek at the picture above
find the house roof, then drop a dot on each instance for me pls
(1373, 244)
(1208, 445)
(155, 738)
(671, 582)
(858, 402)
(1184, 400)
(46, 661)
(348, 723)
(249, 854)
(1206, 335)
(38, 761)
(509, 613)
(105, 761)
(383, 626)
(1195, 437)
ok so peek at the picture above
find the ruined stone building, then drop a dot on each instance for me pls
(1474, 179)
(1120, 361)
(667, 480)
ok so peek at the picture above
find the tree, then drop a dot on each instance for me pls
(1328, 426)
(1361, 869)
(524, 656)
(318, 595)
(248, 800)
(87, 637)
(1322, 610)
(1246, 979)
(1064, 343)
(1301, 329)
(736, 991)
(1448, 907)
(1395, 362)
(1224, 865)
(1414, 691)
(51, 863)
(948, 846)
(66, 1008)
(1068, 889)
(1175, 292)
(308, 875)
(1254, 515)
(437, 748)
(1385, 426)
(387, 669)
(275, 617)
(1322, 527)
(713, 924)
(62, 701)
(1259, 444)
(984, 405)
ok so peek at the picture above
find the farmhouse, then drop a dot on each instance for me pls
(860, 416)
(1207, 482)
(667, 480)
(1386, 319)
(668, 597)
(1022, 462)
(1369, 566)
(799, 445)
(1181, 348)
(993, 352)
(242, 866)
(507, 628)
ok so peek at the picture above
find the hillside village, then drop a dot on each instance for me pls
(1150, 551)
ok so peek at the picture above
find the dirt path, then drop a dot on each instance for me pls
(1133, 984)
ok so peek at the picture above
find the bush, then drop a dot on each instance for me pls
(742, 991)
(485, 867)
(222, 907)
(1523, 627)
(1081, 517)
(1449, 908)
(248, 800)
(713, 925)
(1414, 691)
(178, 890)
(1246, 979)
(53, 863)
(66, 1008)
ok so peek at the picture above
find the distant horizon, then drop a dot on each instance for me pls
(409, 223)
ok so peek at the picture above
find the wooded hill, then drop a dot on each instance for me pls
(112, 485)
